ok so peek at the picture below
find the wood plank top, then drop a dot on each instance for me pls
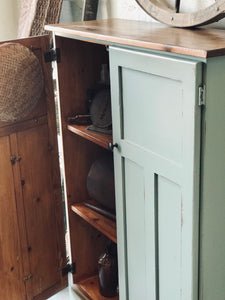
(198, 42)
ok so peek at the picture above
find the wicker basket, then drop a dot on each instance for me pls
(21, 82)
(35, 14)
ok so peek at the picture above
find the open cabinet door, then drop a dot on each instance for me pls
(32, 240)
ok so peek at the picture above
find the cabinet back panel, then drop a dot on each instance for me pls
(78, 71)
(86, 242)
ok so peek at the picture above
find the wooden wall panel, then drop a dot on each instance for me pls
(12, 286)
(39, 205)
(34, 183)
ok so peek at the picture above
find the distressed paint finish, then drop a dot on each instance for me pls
(157, 125)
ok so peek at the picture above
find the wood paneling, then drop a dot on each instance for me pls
(20, 126)
(12, 286)
(39, 206)
(86, 242)
(20, 212)
(31, 189)
(78, 71)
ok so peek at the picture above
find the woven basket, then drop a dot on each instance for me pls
(21, 82)
(35, 14)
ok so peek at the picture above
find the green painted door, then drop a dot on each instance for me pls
(157, 125)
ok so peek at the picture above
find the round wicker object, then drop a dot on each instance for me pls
(21, 82)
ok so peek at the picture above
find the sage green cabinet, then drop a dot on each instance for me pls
(161, 166)
(168, 115)
(157, 121)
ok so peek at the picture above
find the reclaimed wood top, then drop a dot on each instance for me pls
(198, 42)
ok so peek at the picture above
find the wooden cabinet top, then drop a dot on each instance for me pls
(198, 42)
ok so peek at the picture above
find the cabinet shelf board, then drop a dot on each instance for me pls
(103, 224)
(90, 288)
(99, 139)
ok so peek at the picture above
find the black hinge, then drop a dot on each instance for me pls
(52, 55)
(69, 268)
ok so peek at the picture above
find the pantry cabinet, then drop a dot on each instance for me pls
(167, 96)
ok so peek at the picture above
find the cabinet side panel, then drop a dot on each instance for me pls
(11, 273)
(212, 233)
(78, 71)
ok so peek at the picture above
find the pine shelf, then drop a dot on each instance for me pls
(102, 223)
(99, 139)
(90, 288)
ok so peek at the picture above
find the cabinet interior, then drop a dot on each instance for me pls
(78, 71)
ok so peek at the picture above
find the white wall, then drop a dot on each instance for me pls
(9, 15)
(72, 10)
(124, 9)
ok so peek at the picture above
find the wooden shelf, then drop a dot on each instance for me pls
(90, 288)
(99, 139)
(103, 224)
